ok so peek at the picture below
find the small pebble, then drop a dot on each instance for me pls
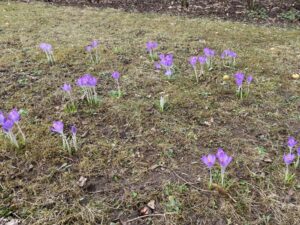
(225, 77)
(296, 76)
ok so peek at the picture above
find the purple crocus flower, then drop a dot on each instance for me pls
(166, 60)
(88, 84)
(58, 127)
(202, 59)
(45, 47)
(94, 44)
(298, 151)
(193, 61)
(209, 52)
(224, 161)
(2, 118)
(239, 78)
(232, 54)
(288, 158)
(157, 65)
(168, 72)
(14, 116)
(88, 48)
(87, 80)
(225, 54)
(73, 130)
(92, 81)
(223, 158)
(291, 142)
(84, 80)
(151, 46)
(209, 160)
(67, 88)
(115, 75)
(7, 125)
(249, 79)
(228, 53)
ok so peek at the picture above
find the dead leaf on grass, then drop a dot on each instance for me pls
(151, 204)
(82, 181)
(220, 189)
(267, 159)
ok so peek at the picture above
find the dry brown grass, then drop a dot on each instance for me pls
(126, 137)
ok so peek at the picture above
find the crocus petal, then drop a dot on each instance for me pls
(288, 158)
(115, 75)
(7, 125)
(291, 142)
(239, 78)
(57, 127)
(73, 130)
(202, 59)
(249, 79)
(94, 43)
(2, 118)
(168, 72)
(157, 65)
(193, 60)
(67, 87)
(209, 160)
(14, 116)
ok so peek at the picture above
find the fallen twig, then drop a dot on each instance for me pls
(150, 215)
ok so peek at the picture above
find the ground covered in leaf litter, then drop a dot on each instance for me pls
(132, 154)
(263, 11)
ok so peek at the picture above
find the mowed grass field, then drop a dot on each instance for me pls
(131, 152)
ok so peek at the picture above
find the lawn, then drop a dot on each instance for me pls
(130, 152)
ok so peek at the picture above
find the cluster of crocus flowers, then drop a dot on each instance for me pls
(116, 76)
(290, 157)
(151, 45)
(92, 50)
(47, 49)
(224, 161)
(58, 127)
(166, 62)
(8, 122)
(209, 54)
(228, 57)
(239, 80)
(88, 84)
(194, 62)
(67, 88)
